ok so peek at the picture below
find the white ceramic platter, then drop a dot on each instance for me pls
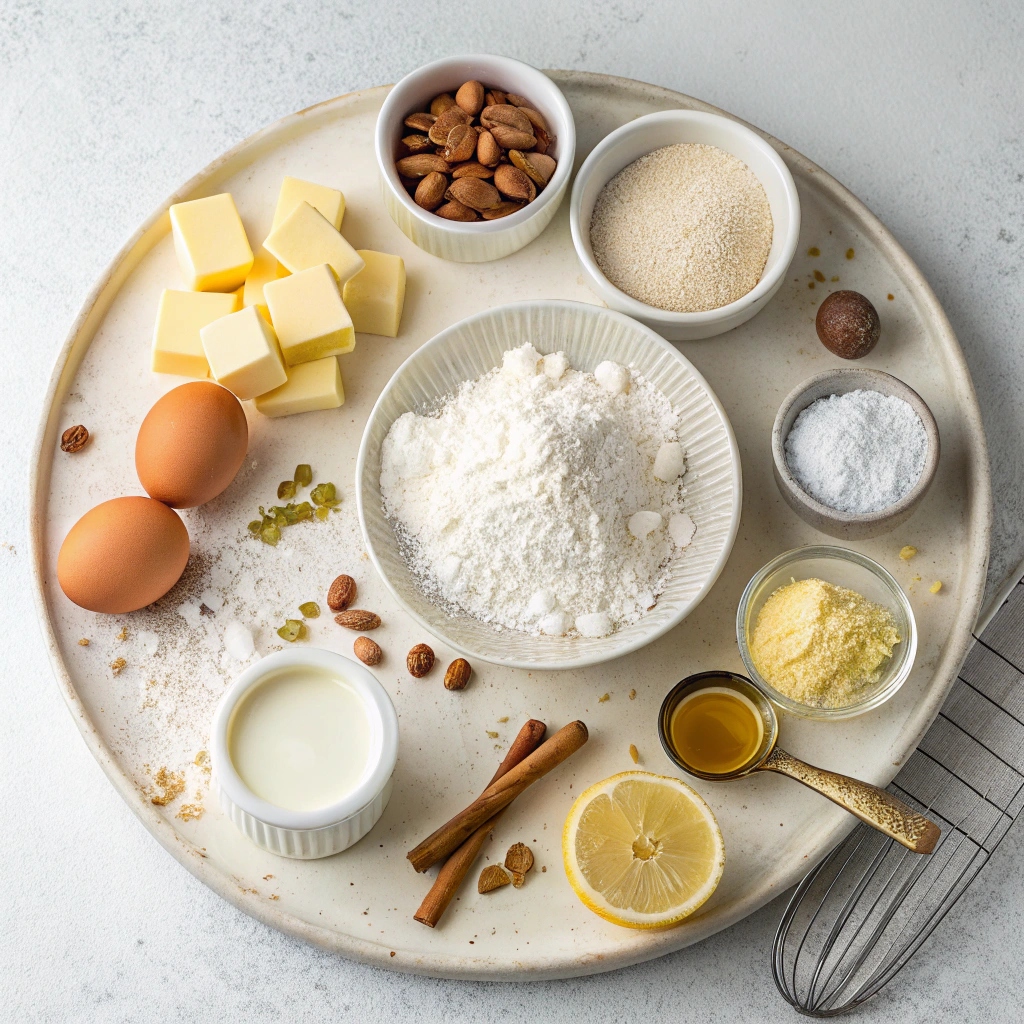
(155, 713)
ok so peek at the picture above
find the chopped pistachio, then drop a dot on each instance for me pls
(303, 474)
(907, 552)
(286, 490)
(493, 735)
(310, 610)
(270, 533)
(601, 700)
(324, 495)
(292, 630)
(255, 526)
(322, 513)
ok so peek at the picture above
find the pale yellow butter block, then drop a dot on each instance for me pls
(309, 317)
(305, 238)
(243, 354)
(177, 347)
(310, 386)
(375, 296)
(210, 241)
(264, 268)
(328, 201)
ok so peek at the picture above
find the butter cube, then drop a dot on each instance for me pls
(329, 201)
(310, 386)
(308, 315)
(305, 238)
(177, 347)
(264, 268)
(210, 241)
(375, 296)
(243, 354)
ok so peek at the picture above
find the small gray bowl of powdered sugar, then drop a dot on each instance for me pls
(854, 452)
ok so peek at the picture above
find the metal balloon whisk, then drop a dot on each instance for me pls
(860, 915)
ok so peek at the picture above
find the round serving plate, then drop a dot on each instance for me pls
(147, 719)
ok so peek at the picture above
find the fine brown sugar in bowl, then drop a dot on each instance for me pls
(686, 228)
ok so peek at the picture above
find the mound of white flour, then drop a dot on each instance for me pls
(517, 503)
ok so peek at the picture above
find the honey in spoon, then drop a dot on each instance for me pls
(716, 730)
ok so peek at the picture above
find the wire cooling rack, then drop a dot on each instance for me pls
(862, 913)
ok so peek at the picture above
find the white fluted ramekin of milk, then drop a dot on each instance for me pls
(303, 747)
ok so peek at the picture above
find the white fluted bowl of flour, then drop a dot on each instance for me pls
(588, 335)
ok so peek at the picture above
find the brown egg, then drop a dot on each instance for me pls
(122, 555)
(191, 444)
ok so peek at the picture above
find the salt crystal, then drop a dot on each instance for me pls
(593, 624)
(670, 462)
(681, 529)
(148, 641)
(189, 611)
(541, 602)
(642, 523)
(238, 641)
(555, 365)
(212, 600)
(521, 362)
(555, 624)
(613, 377)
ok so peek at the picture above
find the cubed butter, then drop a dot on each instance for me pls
(310, 386)
(329, 201)
(210, 241)
(264, 268)
(243, 354)
(375, 296)
(308, 315)
(305, 238)
(177, 347)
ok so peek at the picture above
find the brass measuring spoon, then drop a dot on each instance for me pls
(874, 806)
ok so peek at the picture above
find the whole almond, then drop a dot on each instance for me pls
(510, 181)
(544, 140)
(472, 169)
(539, 166)
(456, 211)
(358, 619)
(439, 130)
(502, 210)
(475, 193)
(341, 594)
(74, 439)
(488, 152)
(494, 98)
(417, 143)
(505, 114)
(535, 117)
(430, 191)
(420, 121)
(457, 675)
(419, 661)
(515, 100)
(492, 877)
(439, 104)
(420, 165)
(461, 144)
(510, 138)
(367, 651)
(470, 97)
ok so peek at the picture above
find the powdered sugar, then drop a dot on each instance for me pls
(512, 503)
(858, 452)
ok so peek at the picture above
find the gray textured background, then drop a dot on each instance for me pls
(106, 108)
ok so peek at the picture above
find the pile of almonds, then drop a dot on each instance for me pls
(481, 153)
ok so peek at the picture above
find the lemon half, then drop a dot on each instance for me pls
(642, 850)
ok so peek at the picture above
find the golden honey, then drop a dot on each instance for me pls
(716, 730)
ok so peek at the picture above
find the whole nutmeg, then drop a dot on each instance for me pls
(419, 661)
(457, 675)
(342, 593)
(368, 652)
(847, 324)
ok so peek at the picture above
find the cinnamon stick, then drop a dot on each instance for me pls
(456, 867)
(498, 795)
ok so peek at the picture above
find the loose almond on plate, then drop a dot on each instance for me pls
(358, 619)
